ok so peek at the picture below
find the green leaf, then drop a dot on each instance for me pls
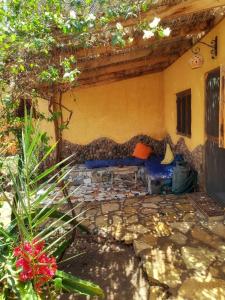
(61, 249)
(58, 284)
(27, 291)
(76, 285)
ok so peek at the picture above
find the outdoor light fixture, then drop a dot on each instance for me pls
(197, 59)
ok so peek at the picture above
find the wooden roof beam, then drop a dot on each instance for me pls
(142, 49)
(178, 10)
(202, 27)
(122, 75)
(126, 66)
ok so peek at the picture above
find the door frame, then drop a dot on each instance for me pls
(205, 120)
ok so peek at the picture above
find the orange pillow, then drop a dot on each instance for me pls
(142, 151)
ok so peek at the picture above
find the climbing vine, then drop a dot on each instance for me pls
(39, 40)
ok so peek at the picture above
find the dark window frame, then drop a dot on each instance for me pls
(184, 113)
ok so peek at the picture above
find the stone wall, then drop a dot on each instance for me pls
(105, 148)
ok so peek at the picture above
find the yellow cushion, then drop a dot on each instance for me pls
(168, 159)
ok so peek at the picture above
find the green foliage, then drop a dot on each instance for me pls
(35, 217)
(39, 41)
(35, 36)
(77, 285)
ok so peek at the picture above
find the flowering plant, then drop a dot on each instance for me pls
(35, 263)
(31, 247)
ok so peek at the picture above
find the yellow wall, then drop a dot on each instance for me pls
(126, 108)
(180, 76)
(118, 110)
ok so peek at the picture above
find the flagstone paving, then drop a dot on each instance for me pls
(181, 251)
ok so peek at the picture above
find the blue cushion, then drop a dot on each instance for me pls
(158, 171)
(129, 161)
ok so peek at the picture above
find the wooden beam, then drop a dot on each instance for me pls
(200, 27)
(179, 10)
(127, 65)
(136, 52)
(106, 78)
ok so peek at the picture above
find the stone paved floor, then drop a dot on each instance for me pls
(181, 251)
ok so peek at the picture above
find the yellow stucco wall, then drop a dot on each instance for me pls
(118, 110)
(180, 76)
(142, 105)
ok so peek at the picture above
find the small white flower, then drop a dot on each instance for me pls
(73, 14)
(41, 192)
(130, 40)
(147, 34)
(91, 17)
(167, 31)
(66, 75)
(119, 26)
(154, 23)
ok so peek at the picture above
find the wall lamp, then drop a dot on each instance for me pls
(197, 59)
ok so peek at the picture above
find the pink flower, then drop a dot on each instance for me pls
(34, 263)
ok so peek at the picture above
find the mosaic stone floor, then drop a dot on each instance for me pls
(181, 251)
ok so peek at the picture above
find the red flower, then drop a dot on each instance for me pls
(35, 263)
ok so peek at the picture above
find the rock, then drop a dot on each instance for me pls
(150, 205)
(137, 228)
(214, 271)
(223, 269)
(118, 232)
(132, 219)
(129, 237)
(116, 220)
(85, 223)
(130, 202)
(129, 210)
(91, 212)
(153, 199)
(197, 258)
(149, 211)
(210, 240)
(184, 227)
(192, 288)
(218, 229)
(144, 242)
(185, 207)
(189, 217)
(108, 207)
(157, 293)
(5, 214)
(178, 238)
(162, 229)
(161, 265)
(87, 181)
(101, 221)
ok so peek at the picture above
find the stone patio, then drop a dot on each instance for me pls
(181, 250)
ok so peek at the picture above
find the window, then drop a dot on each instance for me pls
(184, 113)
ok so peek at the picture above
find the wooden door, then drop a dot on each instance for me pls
(214, 155)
